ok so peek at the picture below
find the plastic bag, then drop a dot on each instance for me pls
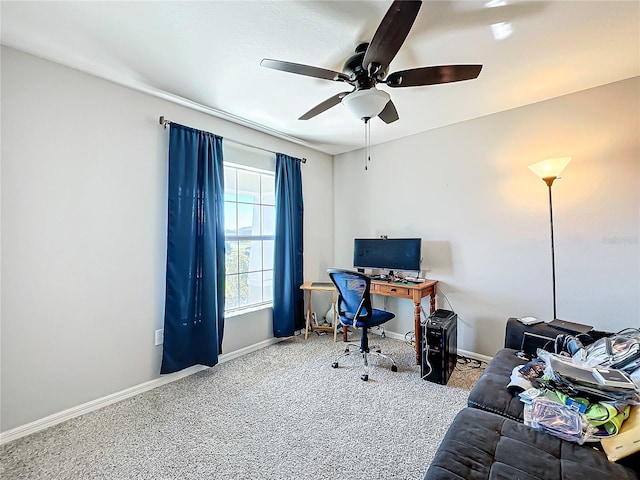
(574, 378)
(559, 420)
(620, 351)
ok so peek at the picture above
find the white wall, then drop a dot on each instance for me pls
(484, 216)
(83, 226)
(83, 188)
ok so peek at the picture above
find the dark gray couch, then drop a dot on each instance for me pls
(483, 445)
(488, 440)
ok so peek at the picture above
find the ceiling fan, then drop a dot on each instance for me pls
(369, 66)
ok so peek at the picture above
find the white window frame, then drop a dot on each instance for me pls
(239, 309)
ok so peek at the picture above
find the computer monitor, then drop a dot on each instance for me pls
(387, 253)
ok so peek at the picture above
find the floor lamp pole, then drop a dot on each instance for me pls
(549, 170)
(553, 254)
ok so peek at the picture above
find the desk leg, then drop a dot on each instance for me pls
(417, 310)
(416, 320)
(432, 301)
(306, 329)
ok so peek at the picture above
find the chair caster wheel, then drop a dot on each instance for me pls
(364, 378)
(379, 351)
(346, 350)
(394, 368)
(334, 365)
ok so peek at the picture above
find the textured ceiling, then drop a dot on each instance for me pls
(207, 54)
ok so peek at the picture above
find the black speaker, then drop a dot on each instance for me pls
(439, 346)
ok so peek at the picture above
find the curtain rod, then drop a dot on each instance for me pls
(164, 122)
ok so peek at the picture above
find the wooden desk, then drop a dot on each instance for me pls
(320, 287)
(412, 291)
(415, 292)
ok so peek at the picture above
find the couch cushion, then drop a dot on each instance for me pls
(481, 445)
(490, 391)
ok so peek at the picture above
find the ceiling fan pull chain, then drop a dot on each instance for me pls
(368, 127)
(366, 143)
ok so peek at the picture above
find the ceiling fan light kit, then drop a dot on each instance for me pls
(366, 104)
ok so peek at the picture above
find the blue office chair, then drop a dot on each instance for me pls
(354, 310)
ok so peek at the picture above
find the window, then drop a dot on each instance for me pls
(249, 218)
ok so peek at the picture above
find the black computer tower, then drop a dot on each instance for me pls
(439, 346)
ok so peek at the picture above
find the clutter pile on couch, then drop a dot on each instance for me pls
(542, 419)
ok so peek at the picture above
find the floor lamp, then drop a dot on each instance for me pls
(549, 170)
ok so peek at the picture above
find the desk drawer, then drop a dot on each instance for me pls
(391, 290)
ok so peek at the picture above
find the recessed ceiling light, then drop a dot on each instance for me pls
(501, 30)
(495, 3)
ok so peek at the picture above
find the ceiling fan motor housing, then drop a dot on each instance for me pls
(357, 72)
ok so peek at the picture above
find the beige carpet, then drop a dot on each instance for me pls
(279, 413)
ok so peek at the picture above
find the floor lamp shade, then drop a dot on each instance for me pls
(549, 170)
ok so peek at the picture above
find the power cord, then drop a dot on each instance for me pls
(464, 364)
(410, 339)
(440, 292)
(425, 359)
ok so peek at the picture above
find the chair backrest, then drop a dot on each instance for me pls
(354, 293)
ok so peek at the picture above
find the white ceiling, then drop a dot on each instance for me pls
(207, 54)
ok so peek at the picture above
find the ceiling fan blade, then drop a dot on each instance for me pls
(307, 70)
(326, 105)
(416, 77)
(390, 35)
(389, 114)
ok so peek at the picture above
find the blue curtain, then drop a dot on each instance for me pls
(288, 299)
(194, 306)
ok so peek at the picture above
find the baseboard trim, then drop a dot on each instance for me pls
(397, 336)
(475, 356)
(99, 403)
